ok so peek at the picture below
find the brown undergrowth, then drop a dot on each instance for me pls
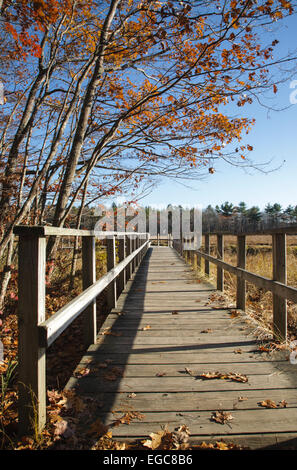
(258, 261)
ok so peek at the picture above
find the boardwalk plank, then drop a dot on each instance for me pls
(128, 358)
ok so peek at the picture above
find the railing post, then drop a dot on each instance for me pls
(199, 261)
(128, 252)
(32, 358)
(279, 274)
(207, 251)
(122, 256)
(149, 244)
(192, 253)
(111, 262)
(89, 278)
(220, 271)
(195, 256)
(138, 246)
(133, 249)
(241, 263)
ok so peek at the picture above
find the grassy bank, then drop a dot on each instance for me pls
(258, 261)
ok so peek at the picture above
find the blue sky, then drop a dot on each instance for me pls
(274, 137)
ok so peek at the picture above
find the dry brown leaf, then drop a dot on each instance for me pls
(113, 374)
(82, 372)
(208, 330)
(234, 313)
(62, 428)
(128, 417)
(111, 333)
(132, 395)
(98, 428)
(221, 417)
(218, 375)
(159, 440)
(73, 402)
(222, 445)
(147, 327)
(206, 445)
(160, 374)
(238, 351)
(210, 375)
(188, 371)
(180, 437)
(264, 349)
(282, 404)
(174, 312)
(268, 404)
(237, 377)
(242, 398)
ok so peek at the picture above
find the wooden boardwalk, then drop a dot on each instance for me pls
(166, 331)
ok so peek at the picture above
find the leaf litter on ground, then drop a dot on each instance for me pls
(234, 376)
(221, 417)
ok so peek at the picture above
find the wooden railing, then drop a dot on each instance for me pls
(277, 285)
(36, 333)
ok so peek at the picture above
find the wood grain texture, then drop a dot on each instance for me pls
(89, 278)
(31, 369)
(166, 331)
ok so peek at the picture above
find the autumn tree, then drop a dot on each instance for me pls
(105, 96)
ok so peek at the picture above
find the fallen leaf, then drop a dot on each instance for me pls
(180, 437)
(82, 372)
(218, 375)
(174, 312)
(147, 327)
(264, 348)
(237, 377)
(111, 333)
(222, 446)
(98, 428)
(188, 371)
(128, 417)
(132, 395)
(268, 404)
(234, 313)
(208, 330)
(160, 374)
(221, 417)
(159, 440)
(238, 351)
(62, 428)
(113, 374)
(210, 375)
(282, 404)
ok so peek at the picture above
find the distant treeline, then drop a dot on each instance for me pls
(240, 217)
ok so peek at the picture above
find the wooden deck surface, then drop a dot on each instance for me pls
(165, 325)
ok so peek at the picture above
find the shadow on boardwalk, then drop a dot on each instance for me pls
(145, 370)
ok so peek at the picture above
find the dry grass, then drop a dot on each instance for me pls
(259, 261)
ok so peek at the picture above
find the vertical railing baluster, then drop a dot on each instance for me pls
(279, 255)
(32, 358)
(220, 271)
(111, 262)
(241, 263)
(122, 256)
(207, 251)
(129, 249)
(89, 278)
